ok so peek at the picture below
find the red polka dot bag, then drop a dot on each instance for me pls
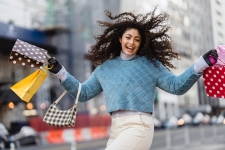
(214, 77)
(28, 55)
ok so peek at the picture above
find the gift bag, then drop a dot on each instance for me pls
(28, 86)
(221, 56)
(27, 55)
(214, 81)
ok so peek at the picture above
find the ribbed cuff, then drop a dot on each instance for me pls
(200, 65)
(62, 74)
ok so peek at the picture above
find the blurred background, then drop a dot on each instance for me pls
(65, 28)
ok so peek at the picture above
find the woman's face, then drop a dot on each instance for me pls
(130, 41)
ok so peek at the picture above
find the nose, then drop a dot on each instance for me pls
(131, 41)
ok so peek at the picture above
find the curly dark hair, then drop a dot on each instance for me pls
(155, 45)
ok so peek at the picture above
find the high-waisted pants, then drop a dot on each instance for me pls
(132, 132)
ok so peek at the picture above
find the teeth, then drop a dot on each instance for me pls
(130, 48)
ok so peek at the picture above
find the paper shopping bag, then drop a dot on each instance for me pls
(214, 81)
(28, 55)
(27, 87)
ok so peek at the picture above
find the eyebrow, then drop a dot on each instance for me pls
(134, 37)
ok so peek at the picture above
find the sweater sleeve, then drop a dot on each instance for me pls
(176, 84)
(90, 88)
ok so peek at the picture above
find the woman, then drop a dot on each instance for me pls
(133, 56)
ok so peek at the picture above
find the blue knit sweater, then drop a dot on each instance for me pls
(130, 84)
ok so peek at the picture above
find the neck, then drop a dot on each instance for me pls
(126, 57)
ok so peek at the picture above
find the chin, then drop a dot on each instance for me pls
(129, 53)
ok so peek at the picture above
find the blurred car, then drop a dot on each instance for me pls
(220, 119)
(5, 140)
(213, 120)
(171, 123)
(3, 136)
(198, 118)
(26, 136)
(186, 119)
(206, 119)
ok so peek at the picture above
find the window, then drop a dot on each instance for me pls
(220, 34)
(218, 2)
(219, 23)
(218, 13)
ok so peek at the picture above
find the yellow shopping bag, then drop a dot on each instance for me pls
(27, 87)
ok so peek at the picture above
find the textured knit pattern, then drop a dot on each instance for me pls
(131, 84)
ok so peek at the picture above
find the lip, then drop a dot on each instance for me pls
(130, 49)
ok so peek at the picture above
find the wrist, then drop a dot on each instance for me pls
(200, 65)
(62, 74)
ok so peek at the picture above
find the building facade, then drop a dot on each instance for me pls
(20, 24)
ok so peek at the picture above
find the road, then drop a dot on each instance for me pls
(163, 139)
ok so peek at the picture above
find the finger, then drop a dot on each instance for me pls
(47, 55)
(214, 50)
(214, 55)
(46, 61)
(209, 52)
(52, 61)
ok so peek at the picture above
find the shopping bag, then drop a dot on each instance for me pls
(214, 81)
(28, 55)
(221, 56)
(28, 86)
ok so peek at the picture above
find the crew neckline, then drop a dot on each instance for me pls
(126, 57)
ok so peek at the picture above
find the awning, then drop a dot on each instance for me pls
(9, 33)
(7, 95)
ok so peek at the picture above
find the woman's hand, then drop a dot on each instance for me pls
(210, 57)
(206, 60)
(53, 64)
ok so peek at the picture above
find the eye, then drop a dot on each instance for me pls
(138, 40)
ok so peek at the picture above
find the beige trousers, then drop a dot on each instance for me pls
(133, 132)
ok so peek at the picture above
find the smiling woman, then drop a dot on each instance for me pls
(133, 56)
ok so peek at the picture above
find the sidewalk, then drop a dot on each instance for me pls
(207, 144)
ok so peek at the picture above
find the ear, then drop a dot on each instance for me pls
(120, 39)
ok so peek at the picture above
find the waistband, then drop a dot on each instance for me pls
(120, 113)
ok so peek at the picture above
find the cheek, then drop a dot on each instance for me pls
(123, 44)
(138, 45)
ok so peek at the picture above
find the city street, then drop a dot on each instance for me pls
(72, 72)
(180, 138)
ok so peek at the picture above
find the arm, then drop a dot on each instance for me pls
(176, 84)
(90, 88)
(181, 84)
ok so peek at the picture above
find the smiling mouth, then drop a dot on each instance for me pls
(131, 49)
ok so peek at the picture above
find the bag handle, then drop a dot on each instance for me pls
(77, 97)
